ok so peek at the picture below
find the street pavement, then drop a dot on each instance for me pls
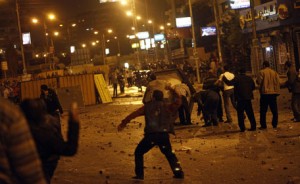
(208, 155)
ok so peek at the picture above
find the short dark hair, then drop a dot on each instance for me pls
(158, 95)
(44, 87)
(266, 63)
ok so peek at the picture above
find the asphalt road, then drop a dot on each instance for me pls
(208, 155)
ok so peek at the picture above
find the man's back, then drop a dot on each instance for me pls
(19, 160)
(268, 81)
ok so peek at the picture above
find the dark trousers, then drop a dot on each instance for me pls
(220, 109)
(49, 169)
(265, 102)
(163, 142)
(115, 93)
(245, 106)
(295, 104)
(184, 112)
(210, 108)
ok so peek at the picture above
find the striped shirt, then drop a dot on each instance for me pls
(19, 160)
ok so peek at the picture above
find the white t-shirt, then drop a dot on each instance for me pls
(229, 76)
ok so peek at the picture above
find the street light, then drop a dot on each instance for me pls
(21, 39)
(103, 43)
(132, 13)
(195, 53)
(150, 22)
(50, 17)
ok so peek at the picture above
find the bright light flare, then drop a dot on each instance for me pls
(123, 2)
(51, 16)
(35, 20)
(129, 13)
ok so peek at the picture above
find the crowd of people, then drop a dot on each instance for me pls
(31, 137)
(11, 91)
(237, 90)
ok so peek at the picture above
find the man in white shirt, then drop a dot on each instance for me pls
(228, 93)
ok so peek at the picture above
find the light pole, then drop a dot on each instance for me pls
(255, 45)
(134, 21)
(48, 49)
(21, 39)
(118, 42)
(195, 53)
(216, 15)
(155, 45)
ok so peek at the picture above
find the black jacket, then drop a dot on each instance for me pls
(49, 140)
(243, 86)
(52, 102)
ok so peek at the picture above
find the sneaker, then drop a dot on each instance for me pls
(138, 177)
(262, 128)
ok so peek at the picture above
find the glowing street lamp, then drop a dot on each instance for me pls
(56, 33)
(51, 16)
(129, 13)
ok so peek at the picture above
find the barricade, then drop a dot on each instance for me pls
(87, 86)
(32, 89)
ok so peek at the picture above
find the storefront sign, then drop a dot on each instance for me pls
(266, 17)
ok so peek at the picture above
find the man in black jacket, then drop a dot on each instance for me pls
(243, 91)
(52, 102)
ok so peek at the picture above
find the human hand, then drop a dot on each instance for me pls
(122, 125)
(73, 113)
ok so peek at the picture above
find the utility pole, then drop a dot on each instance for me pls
(21, 39)
(217, 21)
(195, 53)
(103, 48)
(135, 31)
(255, 45)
